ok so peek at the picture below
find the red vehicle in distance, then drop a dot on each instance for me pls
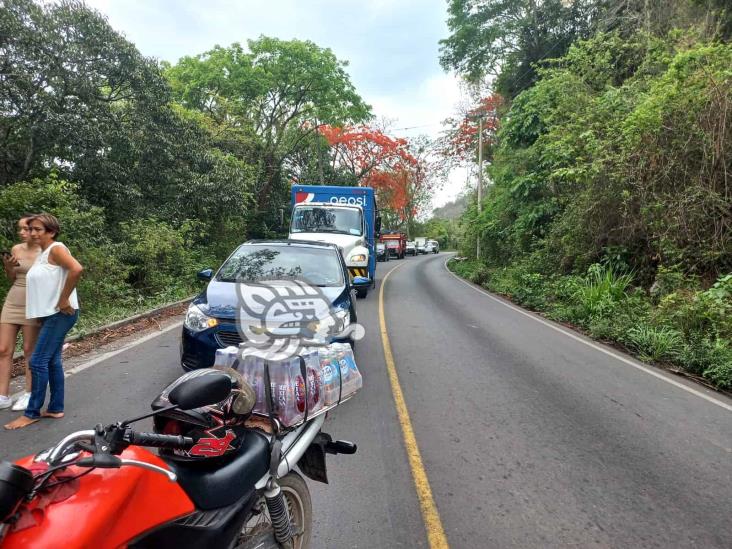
(395, 242)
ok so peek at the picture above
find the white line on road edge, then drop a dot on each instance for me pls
(110, 354)
(608, 352)
(101, 358)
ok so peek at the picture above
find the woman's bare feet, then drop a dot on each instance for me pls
(19, 423)
(53, 415)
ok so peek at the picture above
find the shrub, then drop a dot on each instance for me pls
(603, 287)
(160, 257)
(529, 290)
(602, 328)
(720, 374)
(697, 314)
(82, 230)
(473, 270)
(655, 343)
(708, 357)
(672, 279)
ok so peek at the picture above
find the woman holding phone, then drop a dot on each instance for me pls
(50, 297)
(16, 264)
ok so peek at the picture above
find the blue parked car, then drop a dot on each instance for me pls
(270, 291)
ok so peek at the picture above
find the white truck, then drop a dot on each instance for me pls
(421, 242)
(345, 216)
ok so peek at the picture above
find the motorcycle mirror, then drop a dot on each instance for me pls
(200, 391)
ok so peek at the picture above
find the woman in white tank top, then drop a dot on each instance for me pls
(50, 297)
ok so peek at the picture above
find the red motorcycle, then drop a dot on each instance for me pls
(217, 481)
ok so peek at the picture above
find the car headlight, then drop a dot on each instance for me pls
(358, 258)
(344, 316)
(197, 321)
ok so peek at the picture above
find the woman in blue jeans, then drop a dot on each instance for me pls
(51, 297)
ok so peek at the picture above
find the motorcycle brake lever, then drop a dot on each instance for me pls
(107, 461)
(172, 477)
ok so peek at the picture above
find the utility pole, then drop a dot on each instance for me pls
(480, 181)
(320, 154)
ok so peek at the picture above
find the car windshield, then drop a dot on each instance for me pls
(392, 244)
(321, 219)
(254, 262)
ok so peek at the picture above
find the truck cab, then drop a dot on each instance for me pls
(345, 216)
(396, 243)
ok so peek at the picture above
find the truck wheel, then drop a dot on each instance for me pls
(362, 292)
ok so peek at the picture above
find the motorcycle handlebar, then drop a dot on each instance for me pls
(171, 442)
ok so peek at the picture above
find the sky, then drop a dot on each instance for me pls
(391, 47)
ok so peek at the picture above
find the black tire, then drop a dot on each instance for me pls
(300, 506)
(362, 292)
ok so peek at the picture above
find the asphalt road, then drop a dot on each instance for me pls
(529, 437)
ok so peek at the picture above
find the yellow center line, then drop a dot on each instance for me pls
(433, 524)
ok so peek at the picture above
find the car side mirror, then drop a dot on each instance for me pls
(201, 391)
(206, 275)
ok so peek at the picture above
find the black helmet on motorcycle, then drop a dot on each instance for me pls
(218, 429)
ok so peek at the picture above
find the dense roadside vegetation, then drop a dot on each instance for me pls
(157, 170)
(610, 165)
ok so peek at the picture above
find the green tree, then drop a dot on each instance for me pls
(505, 39)
(276, 91)
(63, 72)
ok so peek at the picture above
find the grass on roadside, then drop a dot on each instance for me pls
(689, 329)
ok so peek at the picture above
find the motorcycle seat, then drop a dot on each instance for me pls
(223, 484)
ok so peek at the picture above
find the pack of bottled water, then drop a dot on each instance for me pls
(302, 386)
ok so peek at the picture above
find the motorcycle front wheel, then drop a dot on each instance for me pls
(299, 506)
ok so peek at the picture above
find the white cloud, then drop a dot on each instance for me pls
(423, 107)
(391, 46)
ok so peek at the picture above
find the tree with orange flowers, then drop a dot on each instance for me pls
(394, 167)
(459, 143)
(361, 149)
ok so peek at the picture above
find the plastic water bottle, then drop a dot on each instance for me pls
(350, 375)
(288, 391)
(314, 382)
(227, 357)
(330, 376)
(252, 370)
